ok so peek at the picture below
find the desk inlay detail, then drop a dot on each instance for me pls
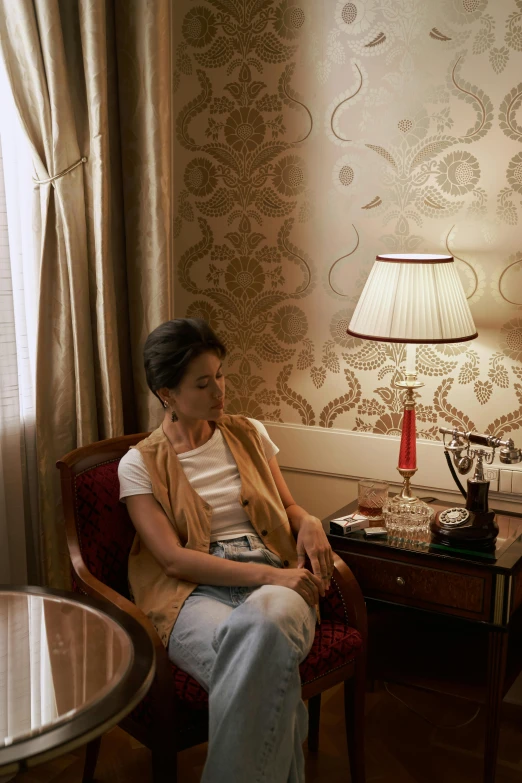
(517, 591)
(499, 599)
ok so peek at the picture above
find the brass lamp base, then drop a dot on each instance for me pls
(406, 517)
(406, 495)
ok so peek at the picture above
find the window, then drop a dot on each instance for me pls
(18, 331)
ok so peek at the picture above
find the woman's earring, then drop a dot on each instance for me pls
(173, 416)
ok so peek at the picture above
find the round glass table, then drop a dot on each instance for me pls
(71, 667)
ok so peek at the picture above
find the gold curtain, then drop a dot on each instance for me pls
(91, 79)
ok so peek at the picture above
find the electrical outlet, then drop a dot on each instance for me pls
(516, 483)
(491, 475)
(505, 482)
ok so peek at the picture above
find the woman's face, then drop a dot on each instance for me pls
(201, 393)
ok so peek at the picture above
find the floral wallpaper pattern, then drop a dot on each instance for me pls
(311, 135)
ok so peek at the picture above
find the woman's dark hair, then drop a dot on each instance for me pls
(170, 348)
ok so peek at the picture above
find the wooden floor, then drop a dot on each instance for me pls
(401, 747)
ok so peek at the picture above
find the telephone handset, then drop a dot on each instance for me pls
(474, 525)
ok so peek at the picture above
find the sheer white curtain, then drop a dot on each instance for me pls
(19, 551)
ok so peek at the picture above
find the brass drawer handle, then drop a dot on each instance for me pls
(400, 581)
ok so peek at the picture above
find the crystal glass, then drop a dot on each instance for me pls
(407, 521)
(372, 497)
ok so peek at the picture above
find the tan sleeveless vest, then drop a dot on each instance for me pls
(160, 596)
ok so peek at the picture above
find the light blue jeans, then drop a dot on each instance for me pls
(244, 646)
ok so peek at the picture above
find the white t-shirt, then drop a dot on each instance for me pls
(213, 473)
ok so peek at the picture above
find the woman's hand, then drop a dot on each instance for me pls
(312, 542)
(299, 579)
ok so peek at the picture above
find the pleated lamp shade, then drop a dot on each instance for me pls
(413, 298)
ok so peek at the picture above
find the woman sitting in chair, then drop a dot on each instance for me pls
(218, 563)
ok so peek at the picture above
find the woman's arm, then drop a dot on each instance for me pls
(311, 538)
(158, 535)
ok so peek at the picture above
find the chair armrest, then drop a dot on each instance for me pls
(88, 582)
(352, 597)
(92, 586)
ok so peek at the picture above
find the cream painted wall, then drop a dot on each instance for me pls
(320, 495)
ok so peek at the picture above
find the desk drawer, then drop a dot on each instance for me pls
(427, 588)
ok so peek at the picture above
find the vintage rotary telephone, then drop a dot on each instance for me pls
(472, 526)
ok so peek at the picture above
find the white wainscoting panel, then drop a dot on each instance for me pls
(344, 453)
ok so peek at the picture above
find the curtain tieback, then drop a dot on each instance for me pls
(61, 174)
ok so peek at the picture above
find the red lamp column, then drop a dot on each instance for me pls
(408, 451)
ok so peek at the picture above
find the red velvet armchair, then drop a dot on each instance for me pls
(173, 716)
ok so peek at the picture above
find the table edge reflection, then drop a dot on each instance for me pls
(100, 714)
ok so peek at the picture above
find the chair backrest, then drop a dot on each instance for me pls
(98, 526)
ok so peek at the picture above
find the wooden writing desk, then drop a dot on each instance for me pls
(443, 619)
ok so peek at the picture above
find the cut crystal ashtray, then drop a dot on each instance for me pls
(404, 519)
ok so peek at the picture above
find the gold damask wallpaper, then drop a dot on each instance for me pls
(311, 135)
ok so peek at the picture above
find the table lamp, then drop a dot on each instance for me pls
(412, 298)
